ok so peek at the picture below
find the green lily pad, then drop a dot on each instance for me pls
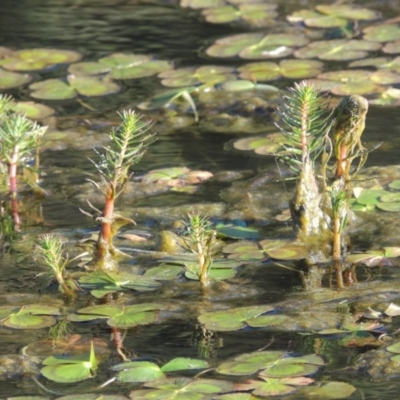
(273, 387)
(272, 144)
(93, 86)
(378, 62)
(339, 49)
(208, 74)
(315, 19)
(284, 250)
(91, 397)
(390, 207)
(245, 251)
(330, 390)
(382, 33)
(390, 197)
(33, 110)
(89, 68)
(240, 318)
(143, 70)
(164, 272)
(237, 232)
(371, 196)
(257, 14)
(64, 369)
(145, 371)
(34, 316)
(394, 184)
(38, 59)
(352, 12)
(392, 47)
(102, 283)
(119, 316)
(182, 389)
(231, 46)
(201, 3)
(52, 89)
(11, 80)
(273, 46)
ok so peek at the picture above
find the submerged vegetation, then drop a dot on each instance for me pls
(195, 281)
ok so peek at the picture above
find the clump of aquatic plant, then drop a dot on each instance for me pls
(305, 121)
(49, 252)
(19, 138)
(339, 198)
(349, 124)
(201, 239)
(129, 142)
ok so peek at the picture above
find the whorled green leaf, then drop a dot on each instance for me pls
(33, 110)
(38, 59)
(339, 49)
(239, 318)
(382, 33)
(329, 390)
(231, 46)
(11, 80)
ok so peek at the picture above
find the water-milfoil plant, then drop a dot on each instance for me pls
(129, 142)
(201, 239)
(305, 121)
(49, 252)
(19, 138)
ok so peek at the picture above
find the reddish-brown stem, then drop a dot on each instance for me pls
(12, 173)
(104, 243)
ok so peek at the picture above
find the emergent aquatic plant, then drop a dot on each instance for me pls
(201, 239)
(49, 251)
(19, 138)
(129, 142)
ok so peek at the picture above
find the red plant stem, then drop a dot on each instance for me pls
(105, 236)
(12, 174)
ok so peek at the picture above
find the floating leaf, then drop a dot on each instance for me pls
(11, 80)
(93, 86)
(102, 283)
(370, 196)
(382, 33)
(349, 11)
(239, 318)
(315, 19)
(236, 231)
(33, 316)
(390, 207)
(284, 250)
(38, 59)
(231, 46)
(33, 110)
(202, 3)
(164, 272)
(182, 389)
(52, 89)
(64, 369)
(89, 68)
(339, 49)
(330, 390)
(244, 250)
(253, 14)
(395, 184)
(273, 46)
(119, 316)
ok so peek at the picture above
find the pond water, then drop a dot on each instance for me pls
(97, 28)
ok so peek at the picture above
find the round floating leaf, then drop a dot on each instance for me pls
(280, 370)
(315, 19)
(382, 33)
(349, 12)
(370, 257)
(93, 86)
(237, 85)
(300, 69)
(284, 250)
(140, 371)
(235, 319)
(231, 46)
(184, 364)
(52, 89)
(371, 196)
(17, 321)
(88, 68)
(33, 110)
(274, 46)
(164, 272)
(390, 197)
(392, 47)
(330, 390)
(395, 184)
(162, 175)
(38, 59)
(89, 397)
(394, 348)
(122, 60)
(273, 387)
(340, 49)
(254, 14)
(261, 71)
(391, 207)
(202, 3)
(11, 80)
(149, 68)
(237, 232)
